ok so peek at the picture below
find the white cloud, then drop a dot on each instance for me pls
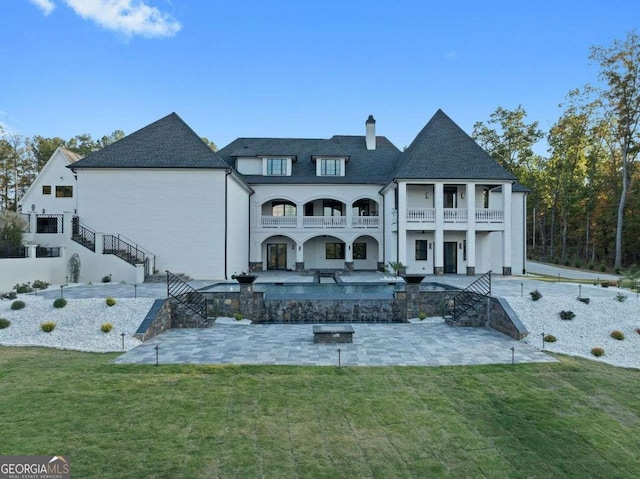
(131, 17)
(46, 6)
(451, 55)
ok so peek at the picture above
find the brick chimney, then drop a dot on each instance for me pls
(371, 133)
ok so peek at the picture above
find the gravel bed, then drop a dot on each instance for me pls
(591, 327)
(77, 324)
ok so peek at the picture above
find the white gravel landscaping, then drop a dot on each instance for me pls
(77, 324)
(590, 328)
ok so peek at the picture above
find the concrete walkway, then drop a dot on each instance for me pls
(434, 344)
(533, 267)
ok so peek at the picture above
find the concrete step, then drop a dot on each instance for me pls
(162, 278)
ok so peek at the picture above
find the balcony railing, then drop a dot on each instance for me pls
(489, 216)
(422, 215)
(320, 222)
(455, 215)
(324, 221)
(279, 221)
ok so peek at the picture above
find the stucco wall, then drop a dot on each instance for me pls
(178, 215)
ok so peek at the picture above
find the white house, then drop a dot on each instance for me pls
(348, 202)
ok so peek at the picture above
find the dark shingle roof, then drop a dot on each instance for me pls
(442, 150)
(166, 143)
(364, 166)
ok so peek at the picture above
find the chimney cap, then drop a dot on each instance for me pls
(370, 119)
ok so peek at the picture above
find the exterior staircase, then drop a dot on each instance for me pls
(465, 301)
(191, 299)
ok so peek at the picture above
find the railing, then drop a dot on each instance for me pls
(50, 224)
(47, 252)
(365, 222)
(324, 221)
(124, 250)
(13, 252)
(423, 215)
(279, 221)
(489, 216)
(455, 215)
(83, 235)
(471, 295)
(186, 295)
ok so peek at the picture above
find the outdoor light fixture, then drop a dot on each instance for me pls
(426, 195)
(430, 244)
(462, 195)
(459, 245)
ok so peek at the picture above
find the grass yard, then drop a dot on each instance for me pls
(573, 419)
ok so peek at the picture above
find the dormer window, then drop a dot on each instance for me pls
(330, 166)
(277, 166)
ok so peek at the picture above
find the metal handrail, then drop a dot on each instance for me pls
(83, 235)
(186, 295)
(471, 295)
(126, 251)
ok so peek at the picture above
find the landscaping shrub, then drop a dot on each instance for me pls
(550, 338)
(106, 279)
(422, 315)
(59, 303)
(18, 305)
(584, 300)
(106, 327)
(567, 315)
(591, 266)
(616, 334)
(48, 326)
(535, 295)
(603, 268)
(597, 352)
(4, 323)
(238, 316)
(621, 297)
(23, 288)
(37, 284)
(9, 295)
(110, 301)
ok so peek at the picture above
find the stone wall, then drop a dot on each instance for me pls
(158, 319)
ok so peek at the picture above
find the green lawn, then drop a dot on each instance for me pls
(575, 418)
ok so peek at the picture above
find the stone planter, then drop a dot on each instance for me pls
(413, 278)
(245, 278)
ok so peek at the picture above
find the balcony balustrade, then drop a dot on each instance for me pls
(320, 222)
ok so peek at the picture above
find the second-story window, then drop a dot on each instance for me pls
(330, 167)
(276, 166)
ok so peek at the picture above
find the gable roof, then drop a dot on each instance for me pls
(442, 150)
(365, 166)
(166, 143)
(70, 156)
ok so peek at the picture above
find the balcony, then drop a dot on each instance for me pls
(456, 218)
(324, 222)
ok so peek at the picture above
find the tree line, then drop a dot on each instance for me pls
(583, 208)
(22, 158)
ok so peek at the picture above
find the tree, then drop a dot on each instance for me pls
(43, 148)
(511, 143)
(209, 143)
(11, 227)
(620, 70)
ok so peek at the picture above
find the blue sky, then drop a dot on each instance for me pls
(293, 68)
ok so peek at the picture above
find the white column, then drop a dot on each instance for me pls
(299, 214)
(402, 223)
(438, 247)
(506, 234)
(471, 228)
(349, 214)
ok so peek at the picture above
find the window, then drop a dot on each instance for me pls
(64, 191)
(276, 166)
(359, 250)
(331, 208)
(46, 189)
(283, 208)
(421, 250)
(334, 251)
(485, 198)
(330, 167)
